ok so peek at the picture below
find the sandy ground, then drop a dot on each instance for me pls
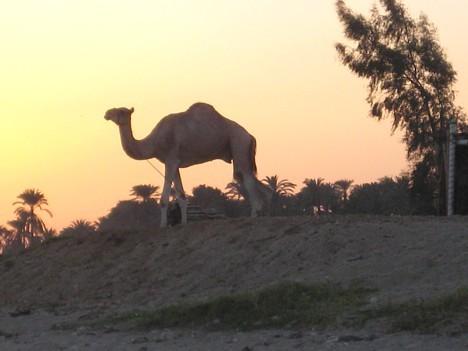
(76, 279)
(36, 332)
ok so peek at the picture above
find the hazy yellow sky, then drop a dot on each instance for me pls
(269, 65)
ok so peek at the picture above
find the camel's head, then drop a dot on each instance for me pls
(120, 116)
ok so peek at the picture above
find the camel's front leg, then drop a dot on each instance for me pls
(169, 173)
(180, 195)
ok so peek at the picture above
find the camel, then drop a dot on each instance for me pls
(195, 136)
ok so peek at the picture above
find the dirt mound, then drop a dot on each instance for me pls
(403, 257)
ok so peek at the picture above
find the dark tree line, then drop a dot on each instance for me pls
(315, 197)
(387, 196)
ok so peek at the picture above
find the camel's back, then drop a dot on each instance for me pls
(201, 133)
(202, 113)
(199, 119)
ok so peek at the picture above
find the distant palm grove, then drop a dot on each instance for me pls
(315, 197)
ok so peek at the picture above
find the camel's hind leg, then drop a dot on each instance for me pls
(251, 186)
(243, 155)
(250, 190)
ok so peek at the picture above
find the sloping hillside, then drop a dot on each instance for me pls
(401, 257)
(76, 281)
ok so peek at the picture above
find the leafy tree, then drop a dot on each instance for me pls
(131, 215)
(423, 182)
(410, 80)
(145, 192)
(386, 197)
(79, 227)
(208, 197)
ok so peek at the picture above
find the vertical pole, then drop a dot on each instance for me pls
(452, 142)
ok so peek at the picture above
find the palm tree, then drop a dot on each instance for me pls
(79, 227)
(145, 192)
(19, 224)
(281, 190)
(3, 231)
(233, 191)
(344, 185)
(280, 187)
(19, 238)
(311, 192)
(31, 200)
(50, 233)
(5, 238)
(318, 196)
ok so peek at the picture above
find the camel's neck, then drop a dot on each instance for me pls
(136, 149)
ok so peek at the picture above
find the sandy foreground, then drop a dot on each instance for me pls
(75, 279)
(35, 332)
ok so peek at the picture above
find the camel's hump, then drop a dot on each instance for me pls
(200, 106)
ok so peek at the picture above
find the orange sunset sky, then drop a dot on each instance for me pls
(269, 65)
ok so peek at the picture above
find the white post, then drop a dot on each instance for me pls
(452, 142)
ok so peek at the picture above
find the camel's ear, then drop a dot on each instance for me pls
(131, 110)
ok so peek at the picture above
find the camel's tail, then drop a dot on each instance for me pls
(252, 152)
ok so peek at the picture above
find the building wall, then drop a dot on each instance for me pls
(461, 180)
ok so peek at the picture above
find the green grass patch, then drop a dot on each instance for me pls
(287, 305)
(432, 316)
(294, 305)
